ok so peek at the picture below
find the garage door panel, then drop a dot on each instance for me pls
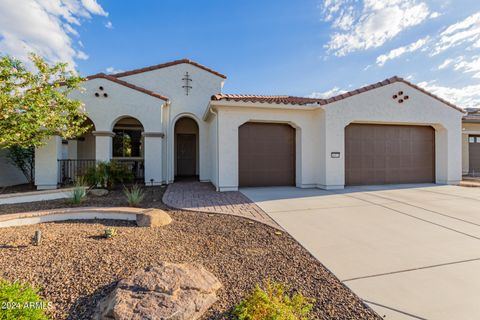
(266, 154)
(389, 154)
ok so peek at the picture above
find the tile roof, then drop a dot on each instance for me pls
(319, 101)
(473, 115)
(265, 99)
(127, 84)
(168, 64)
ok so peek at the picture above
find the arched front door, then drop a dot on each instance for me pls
(186, 148)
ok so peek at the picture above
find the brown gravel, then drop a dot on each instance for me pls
(76, 267)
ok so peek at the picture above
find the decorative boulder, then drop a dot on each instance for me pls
(98, 192)
(168, 291)
(153, 218)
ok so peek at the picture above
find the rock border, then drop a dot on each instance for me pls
(63, 214)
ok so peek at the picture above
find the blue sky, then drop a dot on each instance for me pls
(305, 48)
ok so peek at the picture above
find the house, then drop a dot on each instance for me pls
(171, 120)
(471, 142)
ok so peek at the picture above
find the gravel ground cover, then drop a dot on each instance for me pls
(76, 267)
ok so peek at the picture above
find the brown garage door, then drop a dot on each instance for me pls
(474, 154)
(266, 154)
(384, 154)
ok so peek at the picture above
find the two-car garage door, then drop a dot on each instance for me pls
(374, 154)
(389, 154)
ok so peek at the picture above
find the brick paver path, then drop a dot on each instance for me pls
(201, 196)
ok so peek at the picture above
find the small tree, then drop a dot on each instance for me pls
(35, 105)
(23, 159)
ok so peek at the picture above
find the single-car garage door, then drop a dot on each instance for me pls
(266, 154)
(387, 154)
(474, 154)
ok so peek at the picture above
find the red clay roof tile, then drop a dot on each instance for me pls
(168, 64)
(304, 101)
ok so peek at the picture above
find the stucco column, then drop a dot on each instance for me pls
(153, 157)
(103, 145)
(465, 154)
(46, 164)
(72, 149)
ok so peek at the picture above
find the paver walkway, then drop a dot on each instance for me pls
(201, 196)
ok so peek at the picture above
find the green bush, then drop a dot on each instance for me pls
(274, 303)
(21, 301)
(134, 195)
(108, 174)
(110, 233)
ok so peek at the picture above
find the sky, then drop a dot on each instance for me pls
(303, 48)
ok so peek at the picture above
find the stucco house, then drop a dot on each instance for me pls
(172, 120)
(471, 142)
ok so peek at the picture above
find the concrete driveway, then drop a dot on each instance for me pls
(410, 251)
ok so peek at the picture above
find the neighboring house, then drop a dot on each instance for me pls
(471, 142)
(171, 120)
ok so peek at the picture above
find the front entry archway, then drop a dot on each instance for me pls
(186, 148)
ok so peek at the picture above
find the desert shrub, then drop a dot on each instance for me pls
(21, 301)
(274, 303)
(110, 233)
(108, 174)
(78, 192)
(134, 195)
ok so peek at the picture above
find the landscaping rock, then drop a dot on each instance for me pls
(153, 218)
(98, 192)
(168, 291)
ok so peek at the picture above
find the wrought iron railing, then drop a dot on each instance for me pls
(71, 170)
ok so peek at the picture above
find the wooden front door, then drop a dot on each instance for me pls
(186, 155)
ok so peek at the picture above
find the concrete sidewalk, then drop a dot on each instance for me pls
(410, 251)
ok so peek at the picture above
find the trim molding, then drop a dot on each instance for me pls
(103, 134)
(153, 134)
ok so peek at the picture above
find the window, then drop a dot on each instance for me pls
(471, 139)
(127, 143)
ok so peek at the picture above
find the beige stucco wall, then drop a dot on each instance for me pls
(321, 131)
(308, 137)
(168, 81)
(378, 106)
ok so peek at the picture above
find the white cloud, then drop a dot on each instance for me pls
(327, 94)
(465, 97)
(395, 53)
(45, 27)
(111, 70)
(372, 25)
(435, 14)
(109, 25)
(467, 30)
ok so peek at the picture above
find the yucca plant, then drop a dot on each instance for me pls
(134, 195)
(78, 192)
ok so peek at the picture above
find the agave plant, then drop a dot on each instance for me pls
(78, 193)
(134, 195)
(110, 233)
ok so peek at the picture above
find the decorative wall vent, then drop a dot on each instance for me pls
(187, 83)
(97, 94)
(400, 97)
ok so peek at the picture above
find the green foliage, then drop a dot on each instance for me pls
(23, 159)
(134, 195)
(35, 105)
(21, 301)
(110, 233)
(274, 303)
(108, 174)
(78, 193)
